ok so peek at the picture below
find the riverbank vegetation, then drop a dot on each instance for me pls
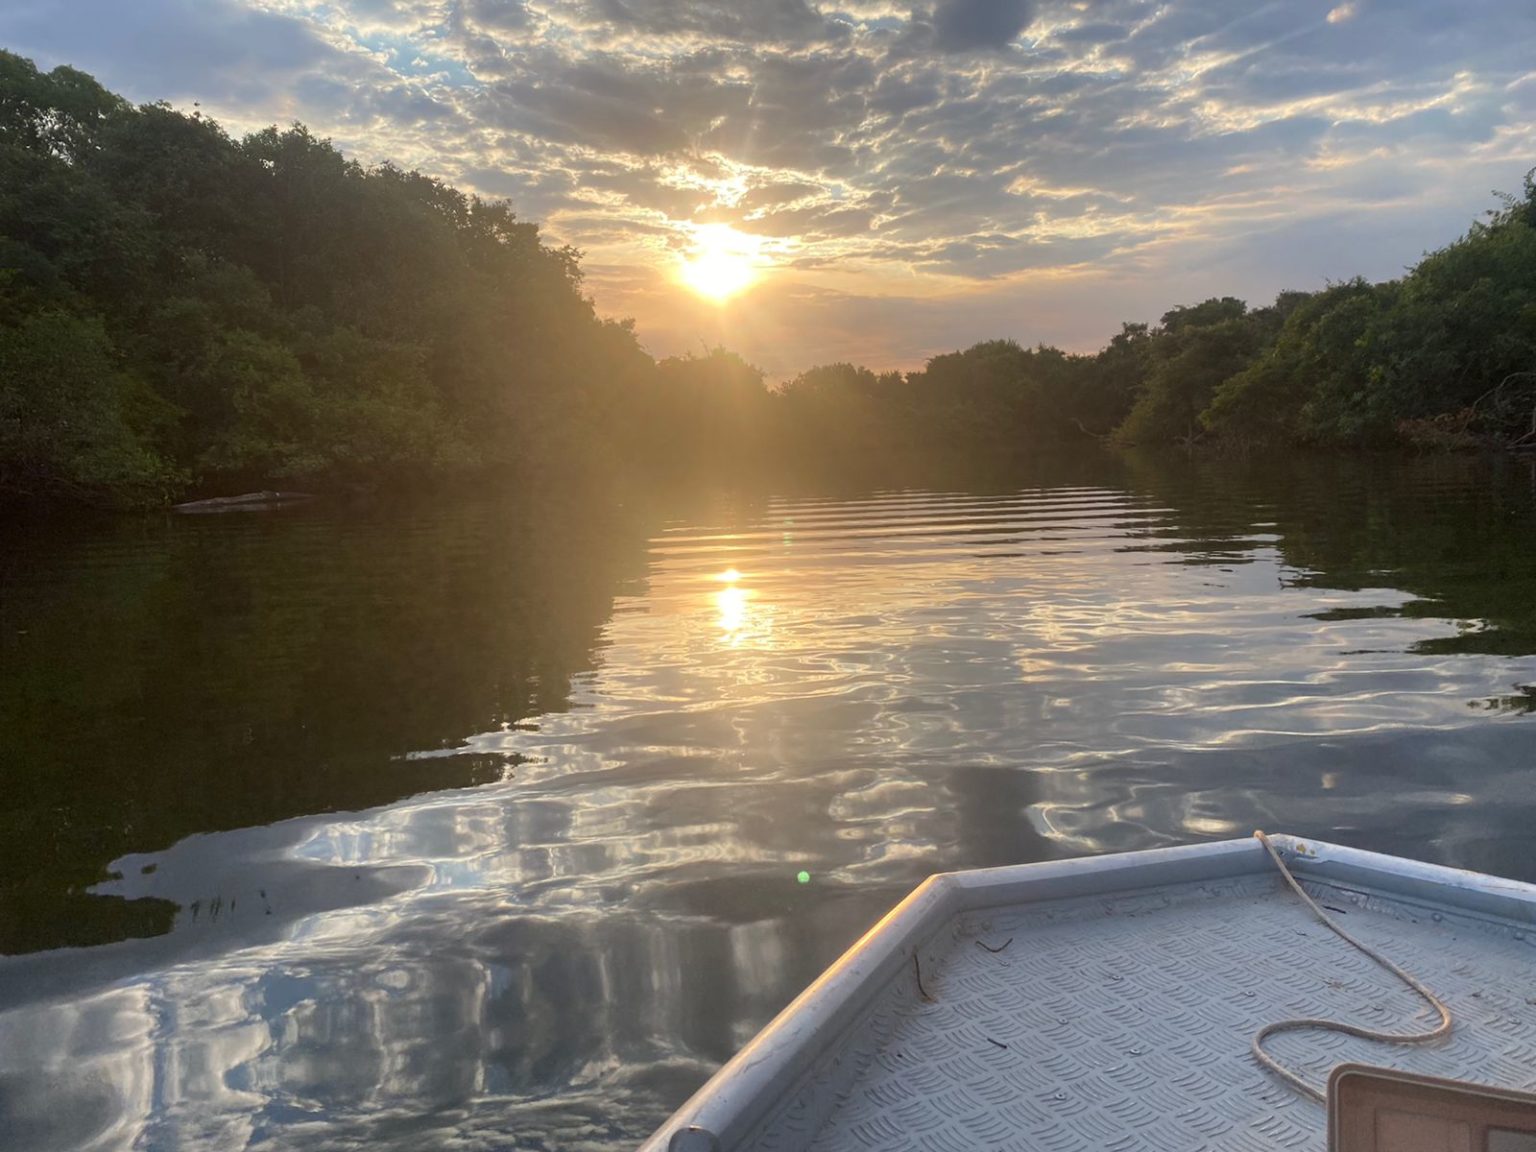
(182, 310)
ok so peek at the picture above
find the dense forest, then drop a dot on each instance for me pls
(183, 311)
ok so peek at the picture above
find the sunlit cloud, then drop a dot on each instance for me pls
(935, 172)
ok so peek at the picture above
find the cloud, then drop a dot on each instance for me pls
(779, 192)
(498, 15)
(959, 166)
(607, 102)
(1091, 33)
(778, 22)
(810, 223)
(971, 25)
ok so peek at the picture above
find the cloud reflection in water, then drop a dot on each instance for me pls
(870, 690)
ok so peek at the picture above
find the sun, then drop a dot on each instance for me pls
(723, 262)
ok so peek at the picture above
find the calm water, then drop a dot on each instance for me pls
(479, 827)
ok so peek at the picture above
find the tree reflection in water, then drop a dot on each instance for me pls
(479, 828)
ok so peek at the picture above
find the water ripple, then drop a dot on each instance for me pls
(866, 690)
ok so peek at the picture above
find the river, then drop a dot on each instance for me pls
(501, 824)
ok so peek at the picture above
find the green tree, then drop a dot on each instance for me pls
(75, 434)
(1192, 352)
(1320, 349)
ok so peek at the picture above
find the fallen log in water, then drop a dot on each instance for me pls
(249, 502)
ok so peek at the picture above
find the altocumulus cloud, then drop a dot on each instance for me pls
(920, 176)
(961, 25)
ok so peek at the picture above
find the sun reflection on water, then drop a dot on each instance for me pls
(921, 682)
(732, 603)
(732, 606)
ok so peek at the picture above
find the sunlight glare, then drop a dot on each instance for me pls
(732, 604)
(722, 264)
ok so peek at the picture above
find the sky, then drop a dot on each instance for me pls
(881, 182)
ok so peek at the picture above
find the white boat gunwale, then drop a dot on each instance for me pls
(729, 1106)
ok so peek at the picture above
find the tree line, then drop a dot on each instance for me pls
(181, 310)
(1443, 358)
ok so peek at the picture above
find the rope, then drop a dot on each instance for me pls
(1441, 1030)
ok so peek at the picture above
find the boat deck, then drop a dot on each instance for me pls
(1119, 1020)
(1125, 1023)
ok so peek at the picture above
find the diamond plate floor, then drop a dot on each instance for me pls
(1124, 1023)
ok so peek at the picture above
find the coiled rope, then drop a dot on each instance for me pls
(1441, 1030)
